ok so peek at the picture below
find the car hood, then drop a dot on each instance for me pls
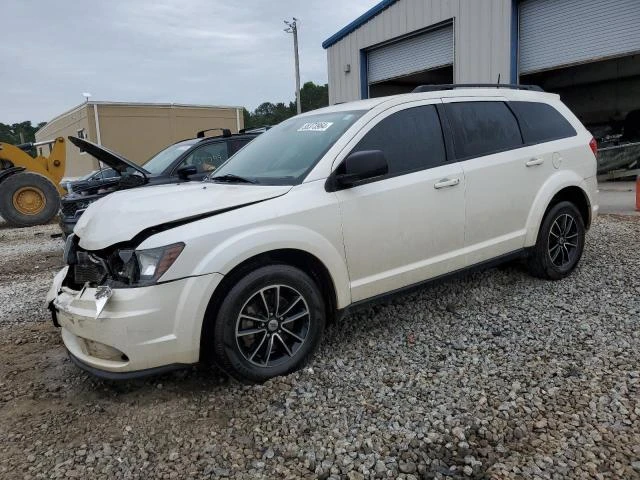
(106, 156)
(122, 215)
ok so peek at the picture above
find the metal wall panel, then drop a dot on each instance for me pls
(556, 33)
(482, 30)
(414, 54)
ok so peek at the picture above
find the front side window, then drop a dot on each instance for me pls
(540, 122)
(411, 140)
(206, 158)
(285, 154)
(482, 128)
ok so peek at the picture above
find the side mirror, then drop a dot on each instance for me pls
(360, 166)
(185, 172)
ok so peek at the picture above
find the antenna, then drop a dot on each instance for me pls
(498, 79)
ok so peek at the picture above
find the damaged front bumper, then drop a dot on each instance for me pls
(132, 331)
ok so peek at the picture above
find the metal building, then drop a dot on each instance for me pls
(135, 130)
(586, 50)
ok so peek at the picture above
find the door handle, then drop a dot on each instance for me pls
(535, 161)
(446, 182)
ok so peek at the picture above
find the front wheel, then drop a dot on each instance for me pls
(269, 324)
(560, 243)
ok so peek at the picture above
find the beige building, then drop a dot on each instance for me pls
(135, 130)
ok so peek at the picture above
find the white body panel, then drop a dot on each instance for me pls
(153, 326)
(402, 231)
(307, 219)
(160, 204)
(372, 239)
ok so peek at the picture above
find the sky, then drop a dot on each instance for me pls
(189, 51)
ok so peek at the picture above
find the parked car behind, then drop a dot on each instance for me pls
(183, 161)
(329, 210)
(93, 179)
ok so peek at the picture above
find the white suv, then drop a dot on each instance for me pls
(328, 210)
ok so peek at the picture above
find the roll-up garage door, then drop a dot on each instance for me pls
(555, 33)
(415, 54)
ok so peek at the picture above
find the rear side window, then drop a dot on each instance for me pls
(540, 122)
(236, 144)
(411, 140)
(482, 128)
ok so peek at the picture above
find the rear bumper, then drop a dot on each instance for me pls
(140, 331)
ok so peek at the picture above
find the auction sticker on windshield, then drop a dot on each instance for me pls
(315, 127)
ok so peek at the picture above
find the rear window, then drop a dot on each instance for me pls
(541, 122)
(482, 128)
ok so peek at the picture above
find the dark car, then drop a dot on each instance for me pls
(96, 178)
(187, 160)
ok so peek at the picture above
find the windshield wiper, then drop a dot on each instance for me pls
(230, 178)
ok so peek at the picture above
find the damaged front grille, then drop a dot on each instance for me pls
(89, 268)
(110, 266)
(84, 267)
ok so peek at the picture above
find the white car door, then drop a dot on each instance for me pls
(503, 175)
(407, 226)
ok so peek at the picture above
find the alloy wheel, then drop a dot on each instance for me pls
(563, 240)
(272, 325)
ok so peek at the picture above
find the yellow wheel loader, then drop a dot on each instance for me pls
(29, 187)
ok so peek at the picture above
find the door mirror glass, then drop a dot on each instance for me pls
(360, 166)
(185, 172)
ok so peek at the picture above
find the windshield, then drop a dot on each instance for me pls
(163, 159)
(285, 154)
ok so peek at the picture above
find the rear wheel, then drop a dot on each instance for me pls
(269, 324)
(560, 243)
(28, 199)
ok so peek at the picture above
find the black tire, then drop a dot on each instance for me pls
(560, 243)
(233, 353)
(28, 199)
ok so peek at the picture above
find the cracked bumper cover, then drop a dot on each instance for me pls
(155, 328)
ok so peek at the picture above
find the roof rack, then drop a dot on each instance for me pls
(452, 86)
(225, 132)
(260, 129)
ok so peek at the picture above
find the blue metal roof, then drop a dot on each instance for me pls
(357, 23)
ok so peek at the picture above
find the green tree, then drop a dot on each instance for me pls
(21, 132)
(312, 96)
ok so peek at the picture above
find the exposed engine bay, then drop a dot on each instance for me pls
(79, 200)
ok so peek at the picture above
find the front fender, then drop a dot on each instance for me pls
(560, 180)
(244, 245)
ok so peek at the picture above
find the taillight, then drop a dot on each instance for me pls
(594, 146)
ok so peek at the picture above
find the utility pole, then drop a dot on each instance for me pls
(292, 27)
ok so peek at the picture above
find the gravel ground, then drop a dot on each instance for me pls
(497, 375)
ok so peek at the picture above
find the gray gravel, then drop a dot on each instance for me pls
(497, 375)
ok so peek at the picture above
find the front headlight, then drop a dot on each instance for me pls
(145, 267)
(153, 263)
